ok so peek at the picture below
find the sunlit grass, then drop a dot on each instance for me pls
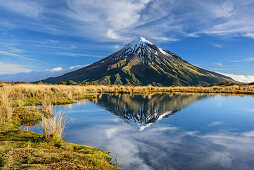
(6, 110)
(53, 127)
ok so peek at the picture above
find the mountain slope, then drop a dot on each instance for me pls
(142, 64)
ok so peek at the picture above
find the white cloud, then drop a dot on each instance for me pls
(124, 20)
(218, 64)
(240, 78)
(235, 17)
(216, 123)
(243, 60)
(24, 7)
(111, 34)
(14, 53)
(56, 69)
(251, 35)
(10, 54)
(8, 68)
(117, 47)
(118, 20)
(249, 134)
(76, 54)
(217, 45)
(107, 18)
(156, 148)
(76, 67)
(223, 9)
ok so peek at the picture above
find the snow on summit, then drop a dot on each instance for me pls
(142, 39)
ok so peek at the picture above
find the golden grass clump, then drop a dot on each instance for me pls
(6, 110)
(53, 127)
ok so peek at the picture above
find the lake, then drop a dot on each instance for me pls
(166, 131)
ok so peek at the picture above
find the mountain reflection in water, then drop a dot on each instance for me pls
(144, 110)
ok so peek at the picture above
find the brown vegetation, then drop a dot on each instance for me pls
(53, 127)
(57, 94)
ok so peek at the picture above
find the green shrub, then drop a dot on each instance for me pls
(70, 82)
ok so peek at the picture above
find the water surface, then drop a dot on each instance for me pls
(167, 131)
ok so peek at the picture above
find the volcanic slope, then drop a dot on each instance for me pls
(142, 63)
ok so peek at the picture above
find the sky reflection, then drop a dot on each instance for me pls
(169, 147)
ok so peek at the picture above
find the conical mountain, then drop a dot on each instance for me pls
(142, 63)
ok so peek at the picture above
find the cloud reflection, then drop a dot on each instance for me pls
(168, 147)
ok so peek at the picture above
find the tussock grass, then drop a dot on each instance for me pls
(6, 110)
(62, 94)
(29, 94)
(54, 127)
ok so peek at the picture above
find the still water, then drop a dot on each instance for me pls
(167, 131)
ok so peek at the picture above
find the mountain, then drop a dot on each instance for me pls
(142, 111)
(142, 63)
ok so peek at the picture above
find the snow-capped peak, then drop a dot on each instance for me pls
(142, 39)
(144, 49)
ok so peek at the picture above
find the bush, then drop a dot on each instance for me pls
(70, 82)
(62, 83)
(21, 82)
(90, 83)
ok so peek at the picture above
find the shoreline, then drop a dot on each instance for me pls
(31, 150)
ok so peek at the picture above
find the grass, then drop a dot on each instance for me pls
(32, 94)
(24, 149)
(53, 127)
(20, 149)
(28, 150)
(6, 110)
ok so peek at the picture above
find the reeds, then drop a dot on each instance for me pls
(53, 127)
(6, 110)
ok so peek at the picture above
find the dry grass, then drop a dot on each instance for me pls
(54, 127)
(28, 94)
(20, 95)
(54, 93)
(6, 110)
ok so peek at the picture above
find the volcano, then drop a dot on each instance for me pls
(142, 63)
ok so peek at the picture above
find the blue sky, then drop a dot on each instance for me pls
(52, 37)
